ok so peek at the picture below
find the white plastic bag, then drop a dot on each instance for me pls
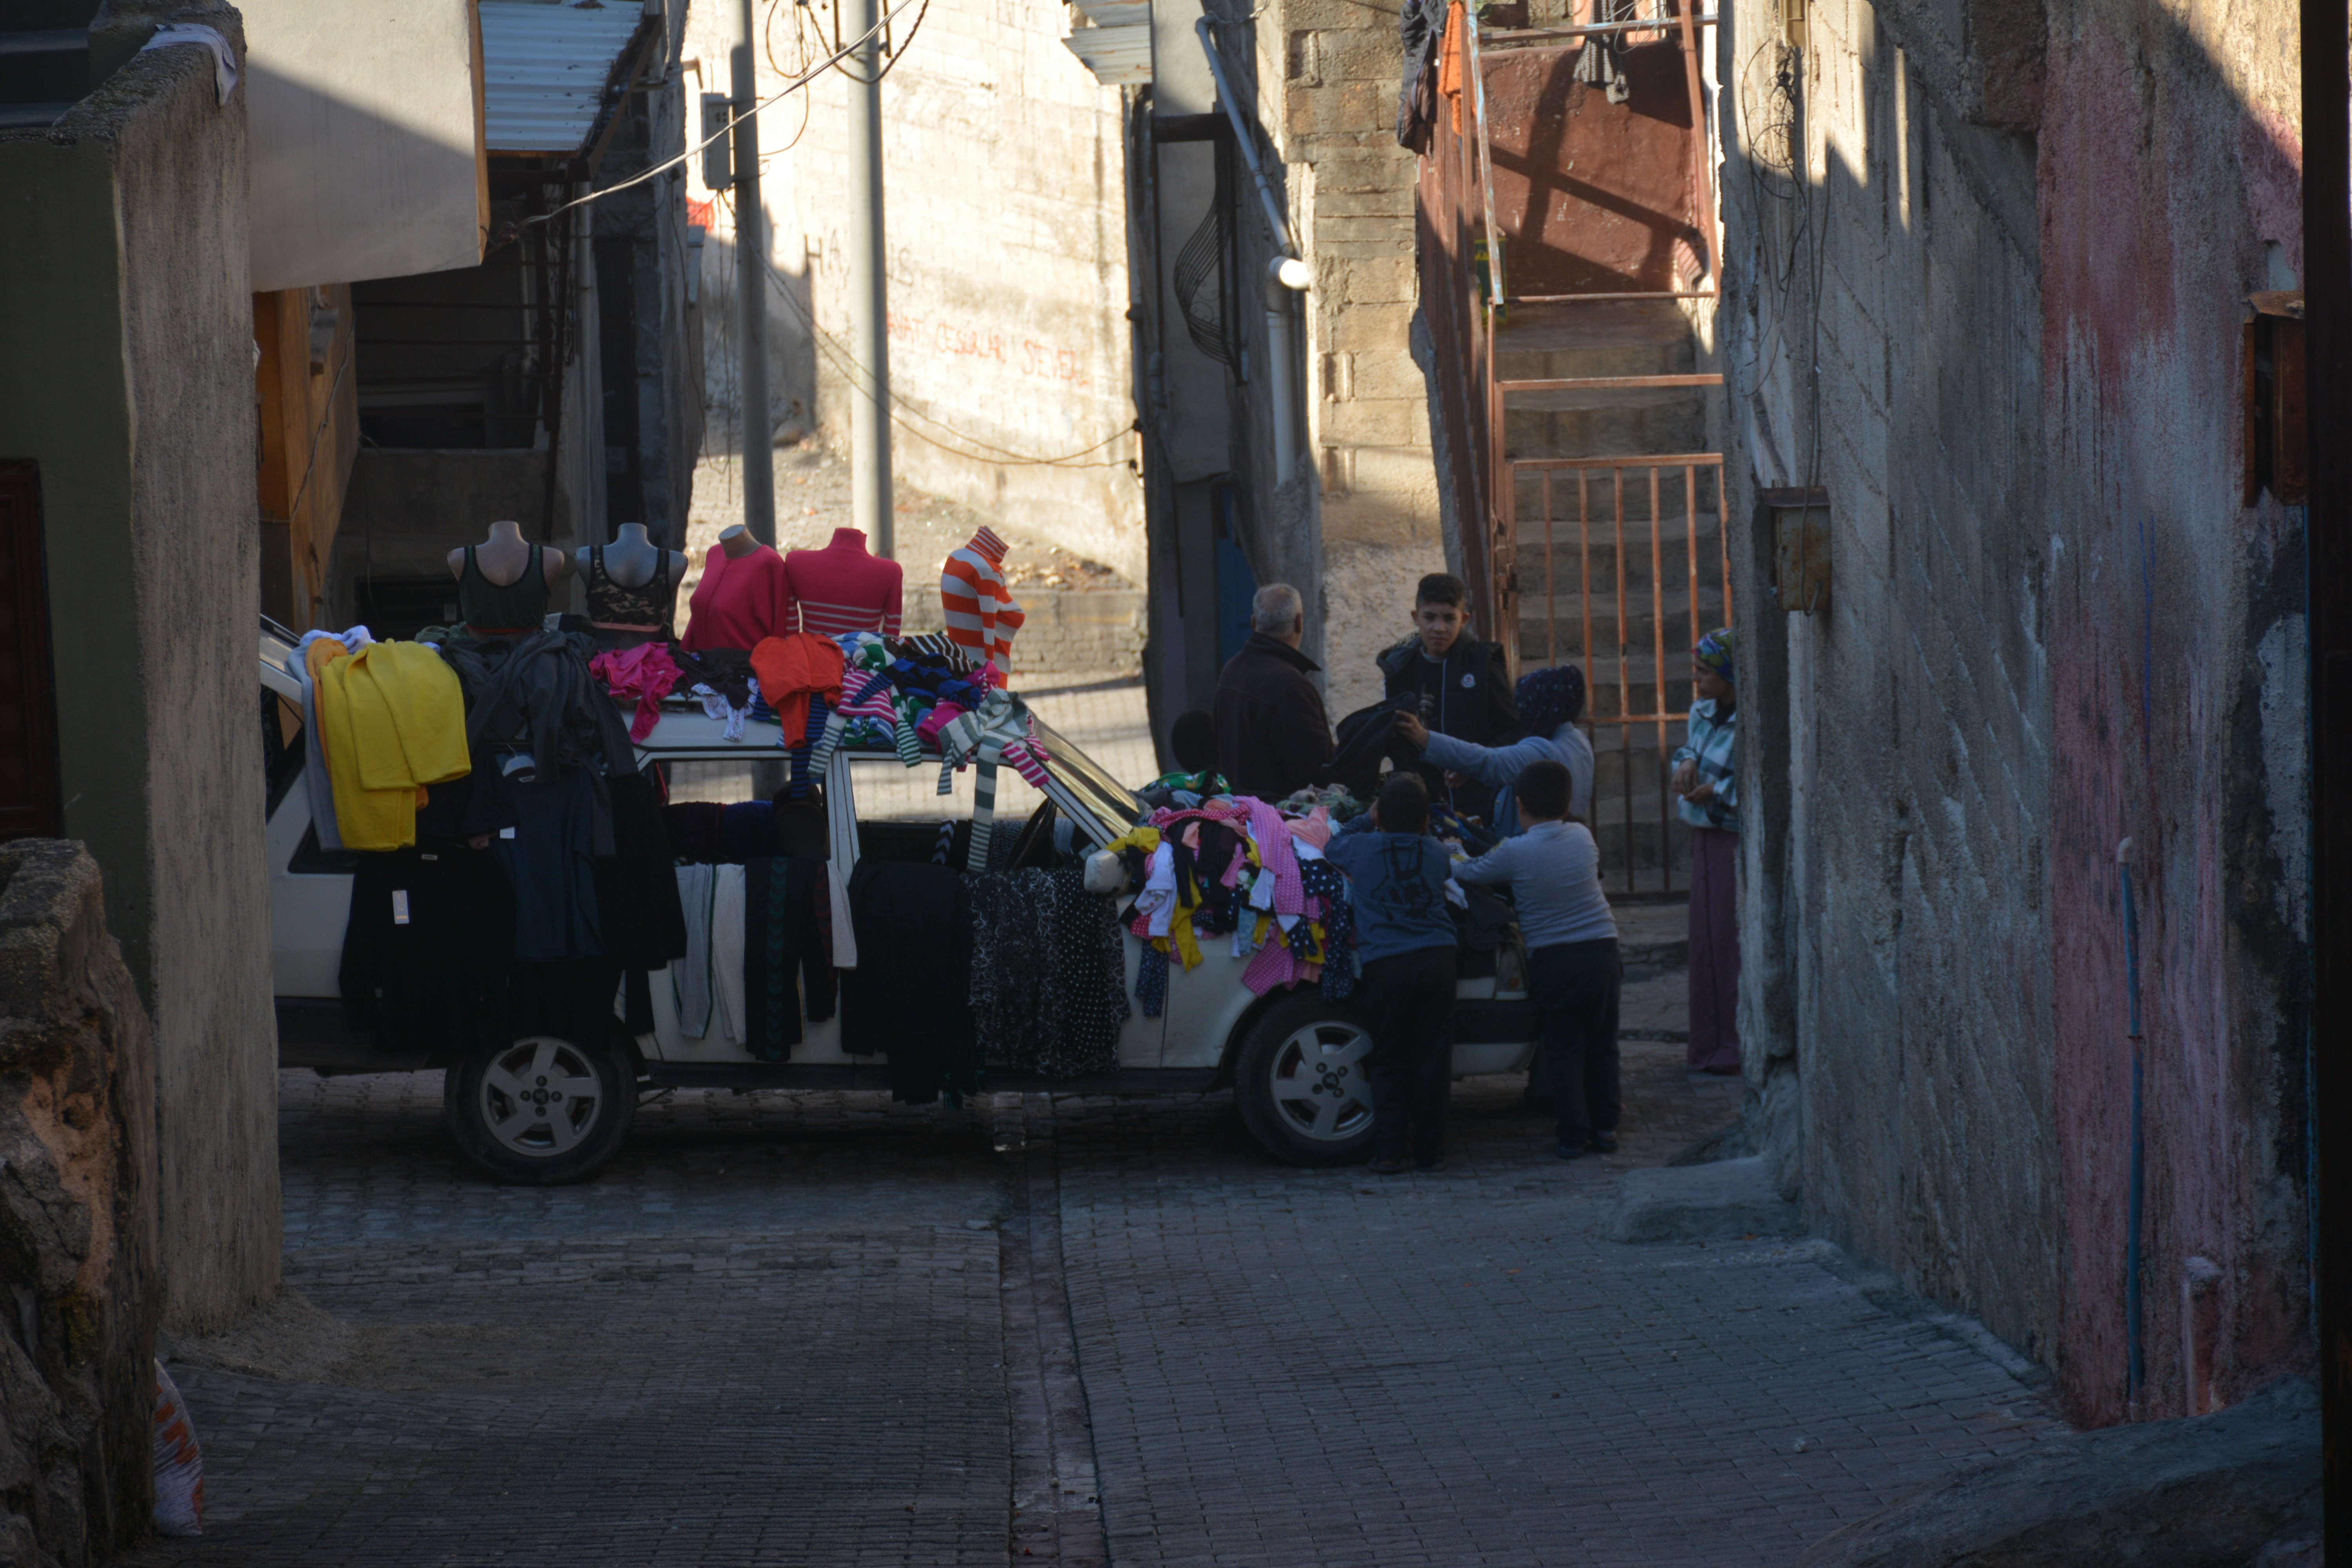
(179, 1463)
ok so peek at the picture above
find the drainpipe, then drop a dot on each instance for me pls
(1285, 275)
(2136, 1364)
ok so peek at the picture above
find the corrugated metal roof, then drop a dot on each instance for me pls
(544, 69)
(1118, 53)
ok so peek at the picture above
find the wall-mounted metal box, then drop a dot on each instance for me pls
(1800, 546)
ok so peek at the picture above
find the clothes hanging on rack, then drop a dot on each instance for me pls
(782, 935)
(1048, 989)
(696, 830)
(427, 948)
(691, 976)
(642, 920)
(910, 995)
(552, 862)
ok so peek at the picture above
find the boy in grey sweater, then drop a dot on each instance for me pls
(1554, 868)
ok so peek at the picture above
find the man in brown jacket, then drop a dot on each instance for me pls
(1272, 735)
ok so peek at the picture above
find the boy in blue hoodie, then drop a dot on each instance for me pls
(1405, 937)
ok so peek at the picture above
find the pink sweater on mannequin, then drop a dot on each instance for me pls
(843, 588)
(738, 601)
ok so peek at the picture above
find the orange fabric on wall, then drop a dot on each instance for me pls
(792, 669)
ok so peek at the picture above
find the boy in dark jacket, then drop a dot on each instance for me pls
(1405, 935)
(1459, 685)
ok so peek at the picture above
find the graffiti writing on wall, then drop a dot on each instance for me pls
(1026, 355)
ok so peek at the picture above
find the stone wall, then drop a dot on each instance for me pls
(127, 237)
(1005, 239)
(2052, 626)
(77, 1244)
(1327, 80)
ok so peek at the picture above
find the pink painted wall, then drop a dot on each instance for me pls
(2159, 186)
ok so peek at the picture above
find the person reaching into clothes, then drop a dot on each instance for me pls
(1554, 868)
(1550, 703)
(1707, 783)
(1405, 938)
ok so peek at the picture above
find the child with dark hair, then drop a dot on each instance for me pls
(1452, 683)
(1554, 868)
(1404, 939)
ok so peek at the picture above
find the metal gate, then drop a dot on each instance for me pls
(1634, 568)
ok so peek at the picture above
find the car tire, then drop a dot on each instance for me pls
(1301, 1083)
(493, 1101)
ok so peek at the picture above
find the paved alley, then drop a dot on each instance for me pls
(805, 1330)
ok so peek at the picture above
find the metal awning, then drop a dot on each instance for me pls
(1118, 48)
(551, 71)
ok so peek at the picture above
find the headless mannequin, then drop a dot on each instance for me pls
(631, 560)
(505, 556)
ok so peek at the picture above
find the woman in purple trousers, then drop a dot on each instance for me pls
(1707, 778)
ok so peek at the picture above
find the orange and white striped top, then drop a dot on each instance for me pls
(981, 613)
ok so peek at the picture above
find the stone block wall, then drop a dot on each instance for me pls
(2052, 626)
(1328, 87)
(77, 1243)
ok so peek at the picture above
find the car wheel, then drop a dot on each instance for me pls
(1302, 1085)
(542, 1110)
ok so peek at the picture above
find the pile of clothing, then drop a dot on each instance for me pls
(858, 689)
(1235, 867)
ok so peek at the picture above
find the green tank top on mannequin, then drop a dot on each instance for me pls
(518, 608)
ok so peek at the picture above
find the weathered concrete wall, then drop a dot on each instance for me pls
(2175, 662)
(76, 1218)
(127, 227)
(2052, 626)
(1006, 242)
(367, 140)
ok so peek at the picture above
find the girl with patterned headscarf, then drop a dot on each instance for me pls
(1706, 781)
(1549, 701)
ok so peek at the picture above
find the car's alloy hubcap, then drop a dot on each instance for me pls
(540, 1097)
(1319, 1085)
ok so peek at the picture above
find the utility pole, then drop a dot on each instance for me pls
(869, 303)
(758, 428)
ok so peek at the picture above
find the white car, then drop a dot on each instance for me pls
(1295, 1060)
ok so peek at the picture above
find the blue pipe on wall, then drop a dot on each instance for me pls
(2136, 1375)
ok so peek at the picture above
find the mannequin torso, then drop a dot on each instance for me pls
(843, 588)
(498, 590)
(745, 596)
(632, 587)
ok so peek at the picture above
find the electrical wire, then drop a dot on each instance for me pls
(902, 411)
(644, 174)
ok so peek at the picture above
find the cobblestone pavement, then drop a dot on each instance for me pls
(822, 1329)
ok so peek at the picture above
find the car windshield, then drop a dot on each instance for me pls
(1088, 780)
